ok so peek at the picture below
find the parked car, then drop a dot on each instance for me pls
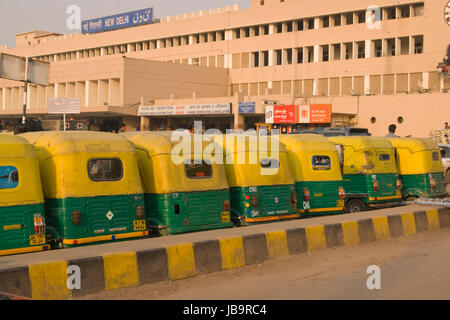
(445, 152)
(334, 132)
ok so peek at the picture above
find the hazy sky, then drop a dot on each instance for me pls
(18, 16)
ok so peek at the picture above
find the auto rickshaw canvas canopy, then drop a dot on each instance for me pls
(364, 155)
(302, 148)
(243, 161)
(64, 158)
(162, 175)
(415, 155)
(16, 151)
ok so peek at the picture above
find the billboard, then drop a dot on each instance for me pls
(321, 113)
(13, 68)
(199, 109)
(281, 114)
(247, 107)
(64, 106)
(118, 21)
(314, 113)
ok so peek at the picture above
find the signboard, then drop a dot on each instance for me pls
(118, 21)
(281, 114)
(321, 113)
(304, 114)
(247, 107)
(64, 106)
(201, 109)
(12, 67)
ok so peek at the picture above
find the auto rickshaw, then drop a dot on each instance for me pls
(314, 162)
(262, 187)
(91, 185)
(420, 166)
(22, 222)
(184, 192)
(369, 171)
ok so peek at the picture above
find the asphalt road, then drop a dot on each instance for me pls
(414, 267)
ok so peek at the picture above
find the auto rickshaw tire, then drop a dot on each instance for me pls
(356, 203)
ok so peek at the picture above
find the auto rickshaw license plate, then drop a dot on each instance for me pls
(37, 239)
(139, 225)
(225, 217)
(340, 203)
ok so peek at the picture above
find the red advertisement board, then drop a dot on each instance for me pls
(284, 114)
(321, 113)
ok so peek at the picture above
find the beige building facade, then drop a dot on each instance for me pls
(292, 52)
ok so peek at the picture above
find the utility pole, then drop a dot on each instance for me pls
(25, 93)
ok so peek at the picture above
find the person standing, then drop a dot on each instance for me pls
(392, 129)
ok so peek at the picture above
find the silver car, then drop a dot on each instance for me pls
(445, 152)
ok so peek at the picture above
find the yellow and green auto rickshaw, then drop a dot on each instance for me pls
(314, 162)
(262, 187)
(91, 185)
(369, 171)
(22, 216)
(420, 166)
(185, 191)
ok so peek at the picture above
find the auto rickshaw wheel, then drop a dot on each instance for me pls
(356, 205)
(411, 198)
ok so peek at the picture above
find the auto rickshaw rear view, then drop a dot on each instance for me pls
(314, 162)
(91, 185)
(262, 187)
(420, 166)
(22, 222)
(184, 191)
(369, 171)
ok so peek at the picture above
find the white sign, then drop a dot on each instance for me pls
(64, 106)
(269, 114)
(304, 114)
(221, 108)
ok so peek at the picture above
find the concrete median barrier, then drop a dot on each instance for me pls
(188, 259)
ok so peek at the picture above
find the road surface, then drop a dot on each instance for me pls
(414, 267)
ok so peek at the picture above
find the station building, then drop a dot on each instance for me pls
(283, 53)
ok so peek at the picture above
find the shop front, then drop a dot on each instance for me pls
(251, 119)
(169, 118)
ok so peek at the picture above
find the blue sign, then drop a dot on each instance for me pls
(119, 21)
(247, 107)
(9, 177)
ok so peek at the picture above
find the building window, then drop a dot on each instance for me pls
(378, 48)
(310, 23)
(300, 25)
(261, 2)
(361, 50)
(279, 28)
(418, 44)
(404, 11)
(278, 57)
(391, 13)
(265, 58)
(418, 9)
(290, 26)
(337, 20)
(299, 55)
(325, 53)
(325, 22)
(361, 16)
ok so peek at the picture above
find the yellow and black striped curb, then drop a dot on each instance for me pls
(132, 269)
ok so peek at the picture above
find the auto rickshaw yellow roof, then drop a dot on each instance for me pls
(247, 143)
(307, 142)
(57, 142)
(160, 142)
(362, 143)
(15, 147)
(414, 144)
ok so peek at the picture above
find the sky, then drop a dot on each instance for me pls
(18, 16)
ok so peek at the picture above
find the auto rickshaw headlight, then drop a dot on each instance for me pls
(140, 212)
(76, 217)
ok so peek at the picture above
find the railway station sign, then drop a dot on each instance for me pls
(118, 21)
(64, 106)
(247, 107)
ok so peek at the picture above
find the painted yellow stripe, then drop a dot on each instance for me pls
(277, 244)
(350, 233)
(384, 198)
(49, 281)
(22, 250)
(181, 262)
(409, 224)
(381, 227)
(433, 219)
(232, 252)
(121, 271)
(322, 210)
(105, 238)
(273, 218)
(315, 237)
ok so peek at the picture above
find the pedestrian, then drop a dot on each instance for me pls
(392, 129)
(446, 140)
(122, 129)
(447, 126)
